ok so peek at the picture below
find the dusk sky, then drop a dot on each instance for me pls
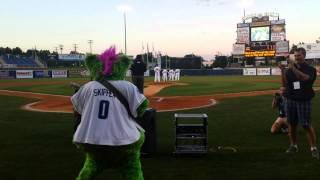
(174, 27)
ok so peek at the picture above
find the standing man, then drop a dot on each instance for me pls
(177, 74)
(299, 82)
(171, 75)
(137, 72)
(157, 73)
(164, 75)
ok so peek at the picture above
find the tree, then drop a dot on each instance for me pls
(221, 61)
(8, 50)
(44, 54)
(31, 52)
(2, 51)
(17, 51)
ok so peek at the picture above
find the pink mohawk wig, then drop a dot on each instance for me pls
(108, 57)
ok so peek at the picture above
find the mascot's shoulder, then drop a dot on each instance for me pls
(123, 83)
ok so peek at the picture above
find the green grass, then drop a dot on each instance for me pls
(207, 85)
(195, 85)
(38, 146)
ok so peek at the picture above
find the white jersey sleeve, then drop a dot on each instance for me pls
(78, 99)
(133, 96)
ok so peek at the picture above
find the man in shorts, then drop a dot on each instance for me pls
(299, 87)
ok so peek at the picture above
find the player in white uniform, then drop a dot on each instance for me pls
(164, 75)
(177, 74)
(157, 76)
(171, 75)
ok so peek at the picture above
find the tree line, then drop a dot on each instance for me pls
(17, 51)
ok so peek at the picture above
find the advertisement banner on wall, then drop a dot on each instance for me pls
(313, 50)
(38, 74)
(41, 74)
(243, 35)
(275, 71)
(241, 25)
(260, 23)
(263, 71)
(281, 21)
(238, 49)
(59, 73)
(24, 74)
(5, 75)
(77, 73)
(278, 32)
(249, 71)
(71, 57)
(282, 48)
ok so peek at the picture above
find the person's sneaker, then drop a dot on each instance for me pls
(315, 153)
(292, 149)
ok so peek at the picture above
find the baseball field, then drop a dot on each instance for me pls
(36, 144)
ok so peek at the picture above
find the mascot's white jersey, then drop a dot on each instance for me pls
(104, 119)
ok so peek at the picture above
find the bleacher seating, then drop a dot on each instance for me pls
(20, 61)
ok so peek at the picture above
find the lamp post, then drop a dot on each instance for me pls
(125, 32)
(124, 9)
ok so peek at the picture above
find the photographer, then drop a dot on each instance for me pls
(299, 80)
(280, 124)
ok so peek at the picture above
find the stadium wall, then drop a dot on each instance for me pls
(77, 73)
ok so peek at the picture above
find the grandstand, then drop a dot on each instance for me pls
(12, 61)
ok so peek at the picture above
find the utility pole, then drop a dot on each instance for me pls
(148, 53)
(90, 45)
(75, 48)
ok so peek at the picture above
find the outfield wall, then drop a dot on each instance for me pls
(32, 74)
(73, 73)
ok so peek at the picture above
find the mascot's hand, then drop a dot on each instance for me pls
(142, 108)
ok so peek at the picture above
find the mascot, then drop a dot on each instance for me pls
(107, 134)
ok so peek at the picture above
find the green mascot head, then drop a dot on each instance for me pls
(108, 65)
(111, 66)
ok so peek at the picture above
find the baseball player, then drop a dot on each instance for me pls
(171, 75)
(164, 75)
(177, 74)
(157, 76)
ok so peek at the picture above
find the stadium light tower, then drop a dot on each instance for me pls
(61, 48)
(124, 9)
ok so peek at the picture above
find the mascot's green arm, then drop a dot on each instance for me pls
(142, 108)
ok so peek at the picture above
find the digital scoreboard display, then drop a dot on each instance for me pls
(260, 33)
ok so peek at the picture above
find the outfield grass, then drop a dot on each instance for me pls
(37, 146)
(194, 85)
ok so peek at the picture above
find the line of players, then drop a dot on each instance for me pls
(171, 75)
